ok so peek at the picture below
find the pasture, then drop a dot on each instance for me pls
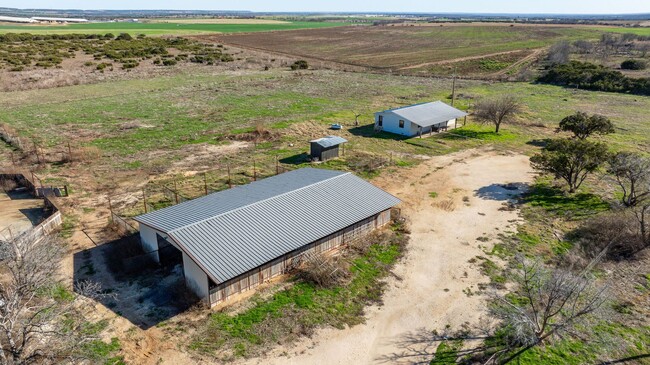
(164, 28)
(132, 120)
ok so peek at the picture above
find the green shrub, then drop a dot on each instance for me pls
(124, 37)
(300, 65)
(169, 62)
(589, 76)
(634, 65)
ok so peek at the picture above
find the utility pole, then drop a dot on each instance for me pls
(453, 88)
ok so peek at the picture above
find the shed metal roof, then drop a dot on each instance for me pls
(428, 114)
(329, 141)
(234, 231)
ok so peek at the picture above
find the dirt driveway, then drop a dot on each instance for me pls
(435, 271)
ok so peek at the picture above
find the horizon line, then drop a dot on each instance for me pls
(336, 12)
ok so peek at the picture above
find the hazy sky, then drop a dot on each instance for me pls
(470, 6)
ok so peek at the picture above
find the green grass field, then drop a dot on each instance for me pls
(160, 28)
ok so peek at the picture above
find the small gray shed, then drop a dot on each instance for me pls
(325, 148)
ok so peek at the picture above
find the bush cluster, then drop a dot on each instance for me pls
(19, 51)
(589, 76)
(634, 65)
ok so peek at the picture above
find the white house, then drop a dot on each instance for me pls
(418, 119)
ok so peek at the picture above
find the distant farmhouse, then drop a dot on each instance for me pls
(234, 240)
(418, 119)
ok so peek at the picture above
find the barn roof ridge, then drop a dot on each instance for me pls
(255, 203)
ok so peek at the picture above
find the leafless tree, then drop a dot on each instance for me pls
(559, 53)
(497, 110)
(39, 323)
(632, 174)
(356, 118)
(547, 303)
(583, 46)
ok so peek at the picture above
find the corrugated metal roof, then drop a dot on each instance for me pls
(233, 231)
(428, 114)
(329, 141)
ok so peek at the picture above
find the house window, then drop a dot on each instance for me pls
(401, 124)
(380, 120)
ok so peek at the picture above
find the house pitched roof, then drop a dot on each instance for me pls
(428, 114)
(233, 231)
(329, 141)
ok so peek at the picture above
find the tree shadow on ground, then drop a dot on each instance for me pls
(502, 192)
(140, 290)
(539, 142)
(421, 347)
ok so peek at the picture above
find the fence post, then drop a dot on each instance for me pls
(36, 151)
(144, 195)
(390, 161)
(65, 188)
(175, 191)
(254, 170)
(205, 182)
(229, 179)
(110, 207)
(277, 164)
(69, 152)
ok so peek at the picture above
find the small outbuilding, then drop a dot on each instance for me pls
(418, 119)
(325, 148)
(234, 240)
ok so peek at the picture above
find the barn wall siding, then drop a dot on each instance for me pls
(149, 241)
(281, 265)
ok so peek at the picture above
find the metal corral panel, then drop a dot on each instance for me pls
(428, 114)
(234, 231)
